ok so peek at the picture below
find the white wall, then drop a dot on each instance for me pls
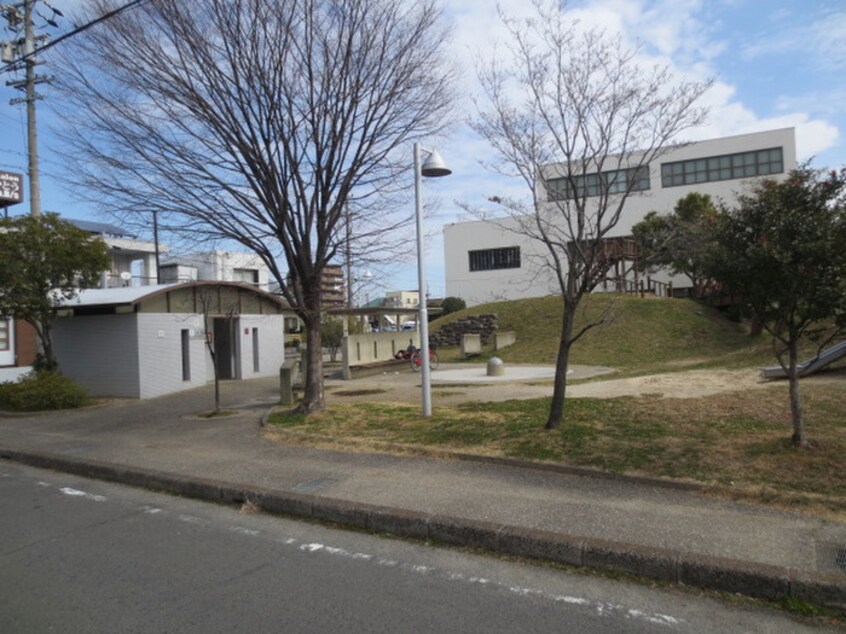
(271, 344)
(375, 347)
(159, 337)
(534, 279)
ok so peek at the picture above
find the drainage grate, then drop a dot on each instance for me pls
(831, 558)
(313, 485)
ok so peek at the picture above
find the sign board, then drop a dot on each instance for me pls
(11, 188)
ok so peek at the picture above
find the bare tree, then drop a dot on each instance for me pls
(258, 121)
(579, 119)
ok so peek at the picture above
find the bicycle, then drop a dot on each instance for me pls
(417, 360)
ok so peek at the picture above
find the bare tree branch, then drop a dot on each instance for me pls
(258, 121)
(579, 119)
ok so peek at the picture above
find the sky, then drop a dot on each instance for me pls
(780, 63)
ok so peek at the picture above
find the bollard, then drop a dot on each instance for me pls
(286, 386)
(496, 367)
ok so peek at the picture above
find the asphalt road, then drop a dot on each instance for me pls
(86, 556)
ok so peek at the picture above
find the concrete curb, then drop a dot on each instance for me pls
(713, 573)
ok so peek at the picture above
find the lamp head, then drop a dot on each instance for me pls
(434, 166)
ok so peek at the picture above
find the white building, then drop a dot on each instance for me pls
(493, 260)
(223, 266)
(145, 341)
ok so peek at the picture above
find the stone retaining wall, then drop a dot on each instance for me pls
(450, 334)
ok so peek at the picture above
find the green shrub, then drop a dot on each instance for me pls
(42, 390)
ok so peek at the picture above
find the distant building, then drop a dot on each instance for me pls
(133, 260)
(493, 260)
(332, 287)
(223, 266)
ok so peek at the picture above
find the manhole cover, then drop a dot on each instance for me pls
(831, 558)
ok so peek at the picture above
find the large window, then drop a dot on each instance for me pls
(722, 168)
(491, 259)
(614, 182)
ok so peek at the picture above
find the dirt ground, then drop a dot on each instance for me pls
(404, 387)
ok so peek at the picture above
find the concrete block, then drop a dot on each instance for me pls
(653, 563)
(471, 344)
(503, 339)
(826, 588)
(285, 503)
(340, 512)
(462, 532)
(756, 580)
(286, 385)
(399, 522)
(537, 544)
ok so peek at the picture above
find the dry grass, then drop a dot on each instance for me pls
(738, 443)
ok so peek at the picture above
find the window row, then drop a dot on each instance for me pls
(492, 259)
(721, 168)
(613, 182)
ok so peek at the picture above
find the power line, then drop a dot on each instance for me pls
(75, 31)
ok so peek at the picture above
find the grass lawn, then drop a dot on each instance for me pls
(738, 443)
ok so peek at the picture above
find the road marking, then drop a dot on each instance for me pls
(82, 494)
(601, 608)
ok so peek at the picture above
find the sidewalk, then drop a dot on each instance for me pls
(642, 527)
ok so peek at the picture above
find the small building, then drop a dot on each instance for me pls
(146, 341)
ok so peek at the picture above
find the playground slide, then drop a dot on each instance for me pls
(829, 355)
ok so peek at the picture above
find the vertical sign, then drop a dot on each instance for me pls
(11, 189)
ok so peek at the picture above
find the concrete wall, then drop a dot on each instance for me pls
(535, 279)
(271, 344)
(375, 347)
(99, 352)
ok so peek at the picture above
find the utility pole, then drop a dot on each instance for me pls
(18, 53)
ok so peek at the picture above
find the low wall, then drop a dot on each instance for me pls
(449, 335)
(504, 338)
(374, 348)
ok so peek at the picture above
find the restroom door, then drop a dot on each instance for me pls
(224, 347)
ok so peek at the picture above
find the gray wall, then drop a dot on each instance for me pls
(99, 352)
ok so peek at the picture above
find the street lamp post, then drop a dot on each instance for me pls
(434, 166)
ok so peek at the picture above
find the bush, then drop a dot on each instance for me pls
(42, 390)
(453, 305)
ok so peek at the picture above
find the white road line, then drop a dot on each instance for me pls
(82, 494)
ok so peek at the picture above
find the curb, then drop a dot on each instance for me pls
(712, 573)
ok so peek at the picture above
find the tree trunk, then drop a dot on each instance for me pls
(48, 359)
(556, 410)
(313, 398)
(799, 439)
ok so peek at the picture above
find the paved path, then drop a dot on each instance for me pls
(644, 519)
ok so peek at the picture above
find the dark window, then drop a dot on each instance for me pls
(614, 182)
(491, 259)
(256, 355)
(722, 168)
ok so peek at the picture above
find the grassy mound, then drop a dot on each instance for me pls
(642, 333)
